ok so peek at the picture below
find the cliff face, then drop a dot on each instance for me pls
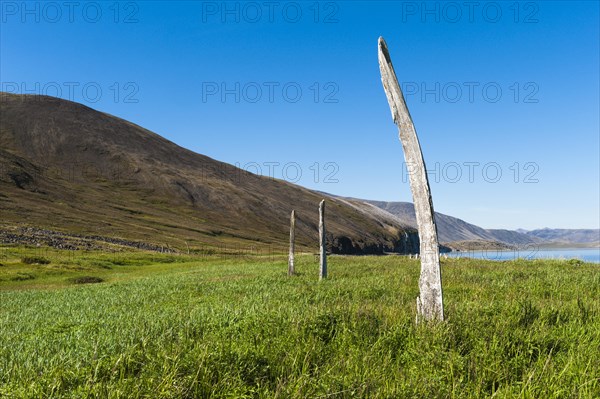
(66, 167)
(405, 243)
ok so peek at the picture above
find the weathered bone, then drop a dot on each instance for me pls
(429, 303)
(322, 242)
(291, 269)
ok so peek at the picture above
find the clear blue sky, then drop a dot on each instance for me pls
(493, 87)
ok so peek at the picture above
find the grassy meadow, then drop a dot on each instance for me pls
(147, 325)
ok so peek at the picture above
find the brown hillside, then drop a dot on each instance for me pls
(67, 167)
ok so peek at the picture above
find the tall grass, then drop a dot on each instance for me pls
(242, 328)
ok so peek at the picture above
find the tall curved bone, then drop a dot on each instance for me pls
(429, 303)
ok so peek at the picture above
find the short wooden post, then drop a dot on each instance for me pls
(291, 269)
(323, 242)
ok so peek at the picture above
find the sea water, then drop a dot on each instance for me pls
(584, 254)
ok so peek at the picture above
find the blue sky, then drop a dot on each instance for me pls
(504, 95)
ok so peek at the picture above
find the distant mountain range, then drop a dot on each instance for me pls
(454, 230)
(575, 236)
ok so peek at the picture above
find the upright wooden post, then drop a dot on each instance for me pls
(429, 302)
(323, 242)
(291, 269)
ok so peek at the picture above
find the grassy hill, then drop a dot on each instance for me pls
(67, 168)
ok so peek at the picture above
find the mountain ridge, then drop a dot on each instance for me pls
(452, 229)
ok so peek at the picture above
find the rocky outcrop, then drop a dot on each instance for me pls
(42, 237)
(405, 243)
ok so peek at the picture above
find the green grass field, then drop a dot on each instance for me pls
(181, 326)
